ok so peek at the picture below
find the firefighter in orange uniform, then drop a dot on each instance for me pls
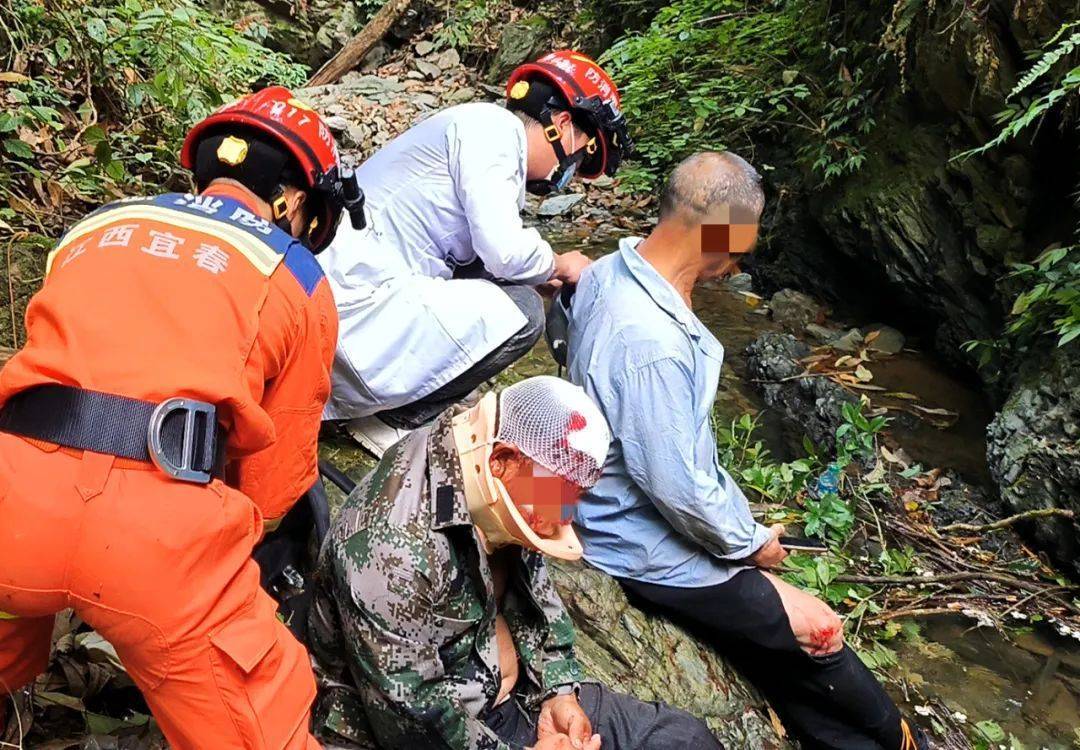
(166, 405)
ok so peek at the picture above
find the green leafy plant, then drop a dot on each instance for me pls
(467, 21)
(818, 574)
(712, 74)
(897, 561)
(828, 517)
(749, 461)
(1052, 80)
(1048, 306)
(100, 96)
(856, 438)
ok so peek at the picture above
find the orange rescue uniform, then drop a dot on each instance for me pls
(191, 296)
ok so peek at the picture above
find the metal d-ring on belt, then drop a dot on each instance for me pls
(180, 436)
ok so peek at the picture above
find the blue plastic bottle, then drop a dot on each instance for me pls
(828, 482)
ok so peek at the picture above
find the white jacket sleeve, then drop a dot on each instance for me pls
(487, 170)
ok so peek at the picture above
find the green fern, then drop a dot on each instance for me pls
(1050, 58)
(1016, 118)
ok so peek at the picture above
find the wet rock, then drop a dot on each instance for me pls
(814, 403)
(823, 334)
(1033, 449)
(915, 231)
(559, 204)
(741, 282)
(519, 41)
(424, 48)
(795, 310)
(888, 339)
(649, 657)
(849, 341)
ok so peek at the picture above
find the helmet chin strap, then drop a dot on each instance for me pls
(566, 166)
(279, 209)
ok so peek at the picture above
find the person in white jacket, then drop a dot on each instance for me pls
(444, 198)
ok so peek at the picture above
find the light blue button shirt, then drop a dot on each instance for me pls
(664, 510)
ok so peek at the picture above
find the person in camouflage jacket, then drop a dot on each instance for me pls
(416, 609)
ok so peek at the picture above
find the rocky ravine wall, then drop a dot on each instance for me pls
(922, 241)
(1033, 447)
(914, 236)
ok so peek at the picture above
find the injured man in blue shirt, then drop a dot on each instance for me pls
(665, 518)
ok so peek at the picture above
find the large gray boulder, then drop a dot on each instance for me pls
(1033, 449)
(654, 660)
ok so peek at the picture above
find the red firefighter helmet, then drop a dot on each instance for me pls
(274, 113)
(591, 97)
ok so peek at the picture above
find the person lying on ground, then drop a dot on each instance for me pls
(665, 518)
(437, 295)
(178, 342)
(435, 616)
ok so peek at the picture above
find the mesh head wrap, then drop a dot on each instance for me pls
(557, 425)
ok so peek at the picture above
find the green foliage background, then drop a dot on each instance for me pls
(97, 98)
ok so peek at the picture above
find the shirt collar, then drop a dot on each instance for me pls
(448, 505)
(657, 287)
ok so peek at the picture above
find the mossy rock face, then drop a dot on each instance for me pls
(650, 658)
(917, 235)
(1033, 449)
(519, 42)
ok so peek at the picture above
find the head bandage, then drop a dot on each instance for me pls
(552, 422)
(557, 425)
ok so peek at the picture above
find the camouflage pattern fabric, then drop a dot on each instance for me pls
(405, 611)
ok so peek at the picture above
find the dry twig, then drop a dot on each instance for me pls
(1009, 521)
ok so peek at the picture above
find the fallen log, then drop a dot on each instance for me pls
(356, 48)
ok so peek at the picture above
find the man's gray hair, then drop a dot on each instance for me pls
(702, 183)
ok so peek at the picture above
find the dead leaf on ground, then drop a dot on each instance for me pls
(12, 77)
(895, 457)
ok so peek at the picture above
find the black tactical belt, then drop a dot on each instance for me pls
(180, 436)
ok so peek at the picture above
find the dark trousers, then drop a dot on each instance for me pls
(422, 411)
(830, 701)
(624, 723)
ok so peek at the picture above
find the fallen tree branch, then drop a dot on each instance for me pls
(1006, 522)
(923, 612)
(356, 48)
(982, 575)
